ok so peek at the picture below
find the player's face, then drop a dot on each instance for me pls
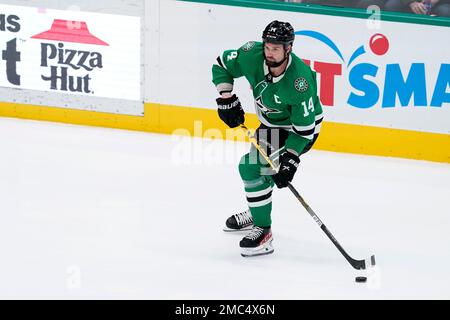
(275, 54)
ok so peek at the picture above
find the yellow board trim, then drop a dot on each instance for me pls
(201, 122)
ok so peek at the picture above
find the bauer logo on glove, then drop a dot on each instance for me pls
(230, 111)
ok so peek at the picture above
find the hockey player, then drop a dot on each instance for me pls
(287, 105)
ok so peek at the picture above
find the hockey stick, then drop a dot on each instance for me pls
(357, 264)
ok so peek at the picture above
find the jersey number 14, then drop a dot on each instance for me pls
(308, 108)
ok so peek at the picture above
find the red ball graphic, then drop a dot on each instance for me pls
(379, 44)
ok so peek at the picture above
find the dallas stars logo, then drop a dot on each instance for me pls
(263, 108)
(248, 46)
(301, 84)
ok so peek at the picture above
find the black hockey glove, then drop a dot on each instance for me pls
(288, 166)
(230, 111)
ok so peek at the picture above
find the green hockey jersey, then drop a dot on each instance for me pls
(289, 101)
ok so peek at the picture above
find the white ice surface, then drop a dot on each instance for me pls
(109, 214)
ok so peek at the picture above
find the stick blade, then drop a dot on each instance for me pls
(372, 261)
(364, 264)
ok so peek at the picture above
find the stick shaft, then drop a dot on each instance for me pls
(357, 264)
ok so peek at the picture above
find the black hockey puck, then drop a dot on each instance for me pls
(361, 279)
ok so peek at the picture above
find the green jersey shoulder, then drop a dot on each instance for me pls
(288, 101)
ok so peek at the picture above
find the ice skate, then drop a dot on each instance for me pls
(258, 242)
(242, 221)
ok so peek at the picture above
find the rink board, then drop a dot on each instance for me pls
(71, 58)
(175, 94)
(205, 123)
(369, 72)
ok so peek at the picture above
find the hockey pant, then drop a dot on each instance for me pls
(256, 172)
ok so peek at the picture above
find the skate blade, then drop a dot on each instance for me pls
(226, 229)
(266, 248)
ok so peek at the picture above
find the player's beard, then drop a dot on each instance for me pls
(275, 64)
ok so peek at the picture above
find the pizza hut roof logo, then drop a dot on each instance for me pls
(70, 31)
(66, 66)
